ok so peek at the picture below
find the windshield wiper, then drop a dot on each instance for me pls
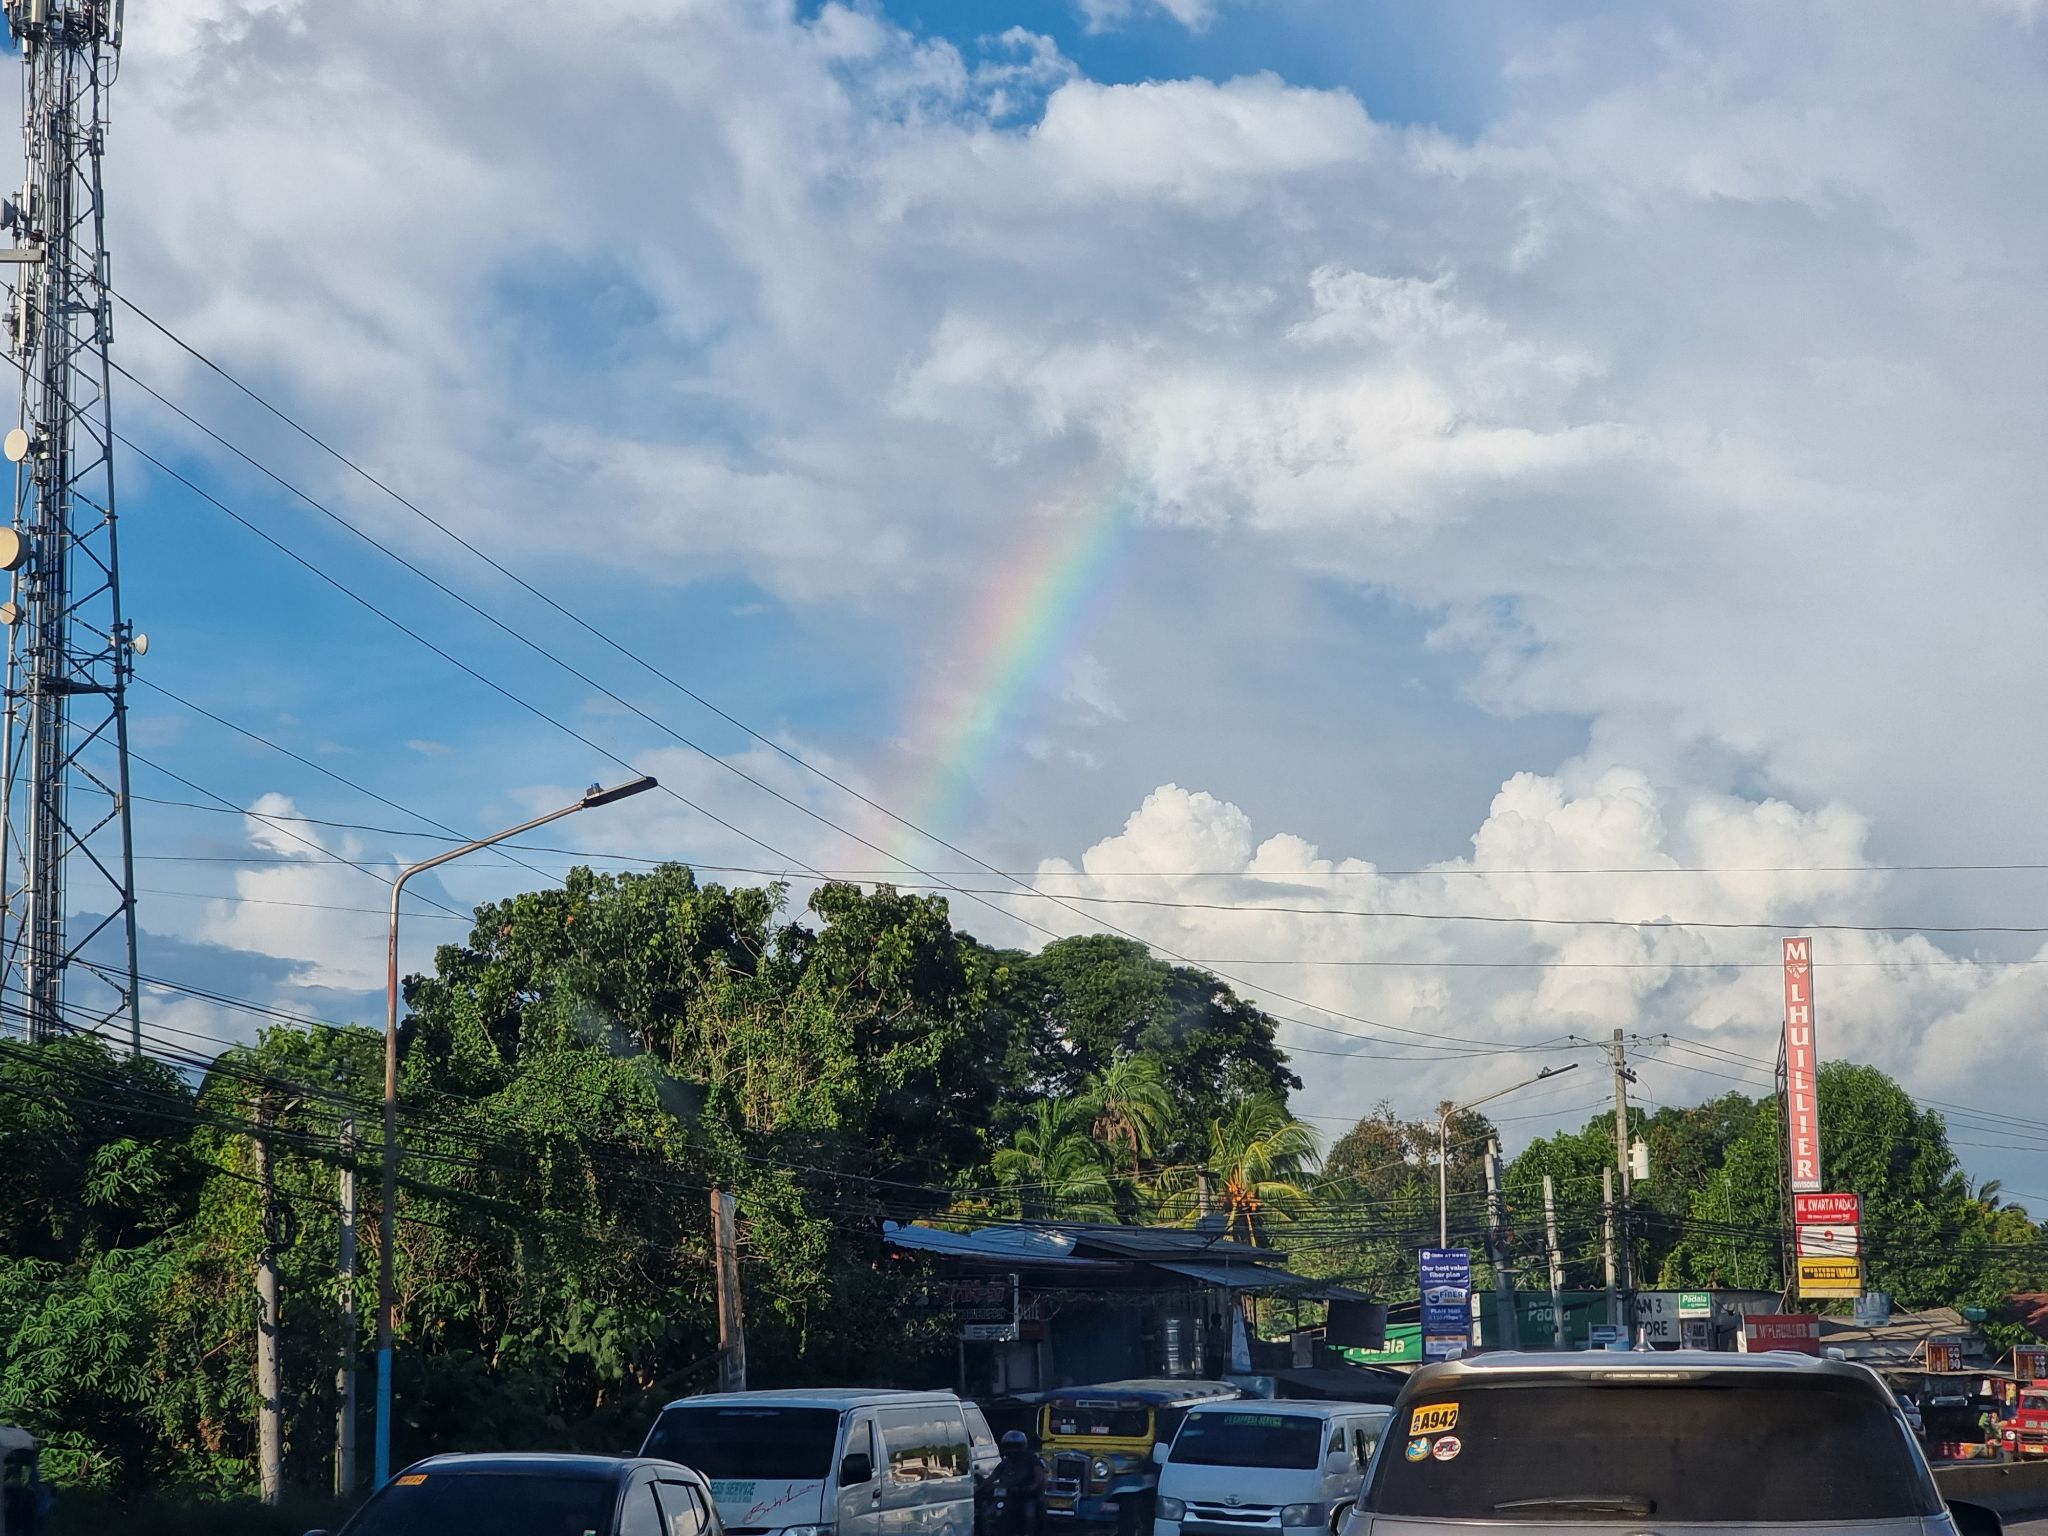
(1599, 1503)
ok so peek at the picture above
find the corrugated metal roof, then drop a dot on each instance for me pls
(1152, 1243)
(1007, 1245)
(1260, 1277)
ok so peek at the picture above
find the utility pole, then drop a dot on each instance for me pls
(270, 1402)
(1607, 1244)
(1557, 1332)
(345, 1377)
(64, 797)
(1497, 1245)
(1622, 1078)
(732, 1328)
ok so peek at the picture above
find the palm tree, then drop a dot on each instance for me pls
(1054, 1166)
(1133, 1109)
(1259, 1157)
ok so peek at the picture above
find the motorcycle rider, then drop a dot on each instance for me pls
(1020, 1486)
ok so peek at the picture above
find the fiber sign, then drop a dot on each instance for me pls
(1802, 1068)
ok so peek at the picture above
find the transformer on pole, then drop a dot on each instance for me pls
(67, 897)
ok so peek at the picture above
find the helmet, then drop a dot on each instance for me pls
(1016, 1440)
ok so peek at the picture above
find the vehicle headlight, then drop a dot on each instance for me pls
(807, 1530)
(1304, 1514)
(1098, 1469)
(1171, 1509)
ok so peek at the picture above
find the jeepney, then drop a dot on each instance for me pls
(2026, 1432)
(1097, 1443)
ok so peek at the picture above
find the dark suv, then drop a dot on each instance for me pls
(1648, 1444)
(539, 1495)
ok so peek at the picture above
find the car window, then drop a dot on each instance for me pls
(1072, 1421)
(434, 1503)
(683, 1509)
(640, 1515)
(1336, 1439)
(1247, 1437)
(1711, 1450)
(977, 1428)
(924, 1444)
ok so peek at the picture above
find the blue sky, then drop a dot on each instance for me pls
(1548, 438)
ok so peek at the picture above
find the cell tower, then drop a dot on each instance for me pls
(69, 649)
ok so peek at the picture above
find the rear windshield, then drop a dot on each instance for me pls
(1245, 1438)
(1069, 1420)
(735, 1443)
(1775, 1449)
(441, 1502)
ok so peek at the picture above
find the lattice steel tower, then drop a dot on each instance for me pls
(69, 650)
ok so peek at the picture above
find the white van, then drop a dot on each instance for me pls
(1258, 1468)
(803, 1463)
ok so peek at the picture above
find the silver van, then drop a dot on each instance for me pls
(804, 1463)
(1615, 1444)
(1260, 1468)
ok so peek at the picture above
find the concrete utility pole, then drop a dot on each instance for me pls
(1557, 1332)
(732, 1328)
(1622, 1078)
(345, 1377)
(66, 849)
(269, 1392)
(1607, 1244)
(1497, 1244)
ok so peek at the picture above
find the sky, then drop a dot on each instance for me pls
(1566, 473)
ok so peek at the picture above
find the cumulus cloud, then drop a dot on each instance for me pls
(1689, 893)
(1693, 396)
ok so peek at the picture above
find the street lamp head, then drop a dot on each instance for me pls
(596, 795)
(1570, 1066)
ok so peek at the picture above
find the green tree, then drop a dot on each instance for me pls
(1053, 1165)
(1257, 1163)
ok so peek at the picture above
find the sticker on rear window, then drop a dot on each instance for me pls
(1447, 1448)
(412, 1479)
(1433, 1418)
(1418, 1450)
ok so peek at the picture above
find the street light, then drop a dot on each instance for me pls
(387, 1284)
(1443, 1145)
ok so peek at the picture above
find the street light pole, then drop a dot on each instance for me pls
(1443, 1144)
(387, 1226)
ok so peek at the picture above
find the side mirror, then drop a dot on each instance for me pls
(855, 1468)
(1160, 1451)
(1975, 1519)
(1339, 1513)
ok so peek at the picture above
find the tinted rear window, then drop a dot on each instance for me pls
(738, 1443)
(1246, 1438)
(1775, 1449)
(444, 1502)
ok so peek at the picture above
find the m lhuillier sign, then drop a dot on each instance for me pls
(1802, 1068)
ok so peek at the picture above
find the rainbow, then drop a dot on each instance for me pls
(1015, 627)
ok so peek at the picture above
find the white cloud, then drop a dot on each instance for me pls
(1104, 15)
(311, 908)
(1694, 396)
(1412, 994)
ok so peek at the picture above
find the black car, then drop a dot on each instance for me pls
(539, 1495)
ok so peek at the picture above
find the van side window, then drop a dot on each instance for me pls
(1364, 1441)
(925, 1444)
(1336, 1439)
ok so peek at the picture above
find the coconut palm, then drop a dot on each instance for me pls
(1258, 1159)
(1132, 1107)
(1054, 1166)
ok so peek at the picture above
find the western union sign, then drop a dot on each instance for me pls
(1821, 1277)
